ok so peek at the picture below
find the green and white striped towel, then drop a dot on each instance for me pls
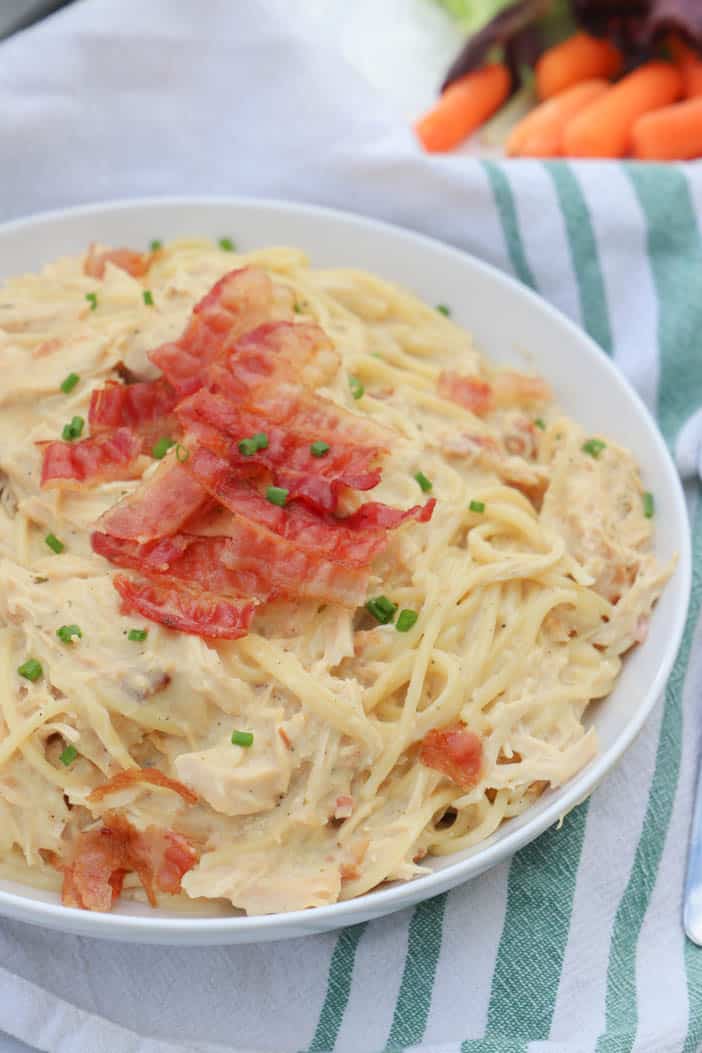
(576, 944)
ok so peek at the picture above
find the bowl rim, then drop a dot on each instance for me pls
(222, 929)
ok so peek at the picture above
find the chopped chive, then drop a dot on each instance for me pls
(277, 495)
(74, 430)
(405, 620)
(91, 297)
(261, 440)
(69, 633)
(137, 635)
(54, 544)
(161, 448)
(242, 738)
(443, 309)
(319, 448)
(382, 609)
(357, 388)
(182, 453)
(297, 307)
(477, 506)
(155, 245)
(148, 298)
(69, 755)
(69, 383)
(30, 670)
(247, 447)
(425, 484)
(540, 423)
(649, 505)
(594, 447)
(226, 245)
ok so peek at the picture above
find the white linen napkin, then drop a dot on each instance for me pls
(576, 944)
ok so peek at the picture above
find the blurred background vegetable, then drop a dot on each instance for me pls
(604, 65)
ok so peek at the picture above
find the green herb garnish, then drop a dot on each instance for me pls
(357, 388)
(30, 670)
(161, 448)
(319, 448)
(69, 633)
(69, 755)
(277, 495)
(226, 245)
(540, 423)
(69, 383)
(54, 544)
(594, 447)
(477, 506)
(443, 309)
(242, 738)
(382, 609)
(74, 430)
(137, 635)
(405, 620)
(91, 297)
(155, 245)
(649, 505)
(148, 297)
(425, 484)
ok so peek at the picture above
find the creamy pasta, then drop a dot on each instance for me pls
(405, 707)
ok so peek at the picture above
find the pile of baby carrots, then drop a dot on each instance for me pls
(586, 107)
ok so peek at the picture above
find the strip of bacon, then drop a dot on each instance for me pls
(346, 462)
(130, 776)
(302, 350)
(249, 561)
(92, 461)
(143, 407)
(289, 404)
(328, 536)
(239, 301)
(162, 505)
(134, 263)
(187, 610)
(471, 392)
(508, 390)
(376, 514)
(455, 752)
(102, 857)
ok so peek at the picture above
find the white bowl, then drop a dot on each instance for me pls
(508, 321)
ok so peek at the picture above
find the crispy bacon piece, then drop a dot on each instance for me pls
(92, 461)
(239, 301)
(302, 350)
(377, 514)
(161, 505)
(507, 391)
(455, 752)
(471, 392)
(328, 536)
(144, 407)
(188, 610)
(249, 561)
(319, 481)
(129, 776)
(101, 858)
(134, 263)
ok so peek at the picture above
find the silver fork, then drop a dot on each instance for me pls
(688, 454)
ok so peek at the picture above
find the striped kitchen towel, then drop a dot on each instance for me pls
(574, 945)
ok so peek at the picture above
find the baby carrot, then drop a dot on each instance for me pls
(463, 107)
(580, 57)
(604, 128)
(673, 133)
(689, 62)
(540, 133)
